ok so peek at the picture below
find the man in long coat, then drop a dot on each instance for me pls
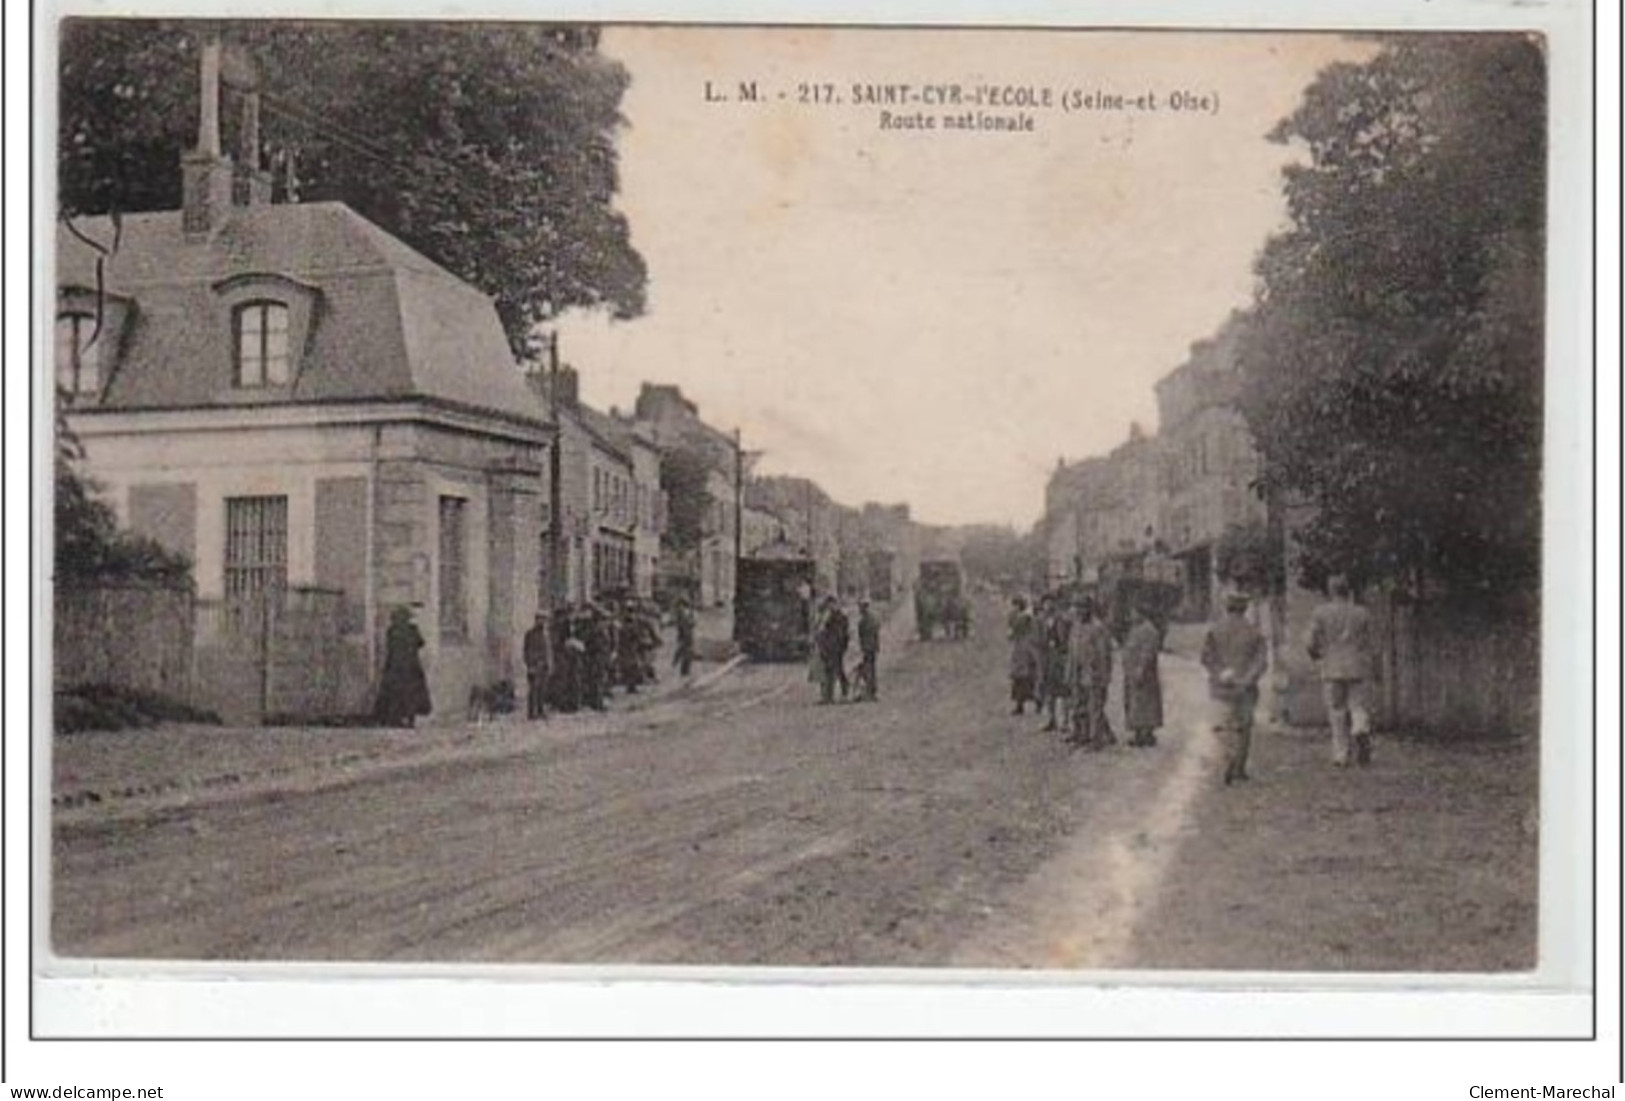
(403, 690)
(1089, 676)
(1024, 656)
(1340, 639)
(1142, 682)
(1235, 657)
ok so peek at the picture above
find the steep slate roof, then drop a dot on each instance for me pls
(388, 322)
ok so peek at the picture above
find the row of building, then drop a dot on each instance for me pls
(307, 408)
(1172, 494)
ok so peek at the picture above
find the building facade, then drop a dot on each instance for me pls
(328, 425)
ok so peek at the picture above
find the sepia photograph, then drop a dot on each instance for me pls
(1047, 502)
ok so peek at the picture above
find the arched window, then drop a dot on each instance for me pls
(78, 360)
(262, 344)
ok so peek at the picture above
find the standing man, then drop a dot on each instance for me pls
(538, 652)
(1142, 682)
(833, 638)
(869, 652)
(1340, 641)
(1235, 657)
(1056, 626)
(1089, 676)
(1024, 657)
(683, 620)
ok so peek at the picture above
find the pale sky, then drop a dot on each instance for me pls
(935, 317)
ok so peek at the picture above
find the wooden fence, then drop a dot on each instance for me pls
(1451, 669)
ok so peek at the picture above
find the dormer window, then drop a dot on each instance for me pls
(78, 354)
(261, 328)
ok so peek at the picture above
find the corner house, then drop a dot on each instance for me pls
(327, 424)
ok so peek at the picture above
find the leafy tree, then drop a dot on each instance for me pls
(1393, 361)
(684, 477)
(89, 545)
(488, 147)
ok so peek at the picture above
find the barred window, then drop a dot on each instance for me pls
(256, 559)
(262, 344)
(453, 568)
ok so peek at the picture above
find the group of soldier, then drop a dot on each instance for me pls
(1061, 659)
(578, 655)
(831, 638)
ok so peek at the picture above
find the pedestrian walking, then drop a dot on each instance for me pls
(1235, 657)
(403, 690)
(1022, 630)
(1089, 678)
(1055, 625)
(1142, 680)
(1341, 643)
(538, 655)
(868, 652)
(834, 635)
(683, 621)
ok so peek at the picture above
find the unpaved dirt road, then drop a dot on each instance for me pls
(742, 825)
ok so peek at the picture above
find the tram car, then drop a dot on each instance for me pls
(940, 601)
(773, 605)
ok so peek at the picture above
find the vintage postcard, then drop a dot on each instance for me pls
(945, 504)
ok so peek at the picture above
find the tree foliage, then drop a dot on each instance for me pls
(1393, 361)
(90, 547)
(488, 147)
(1000, 555)
(685, 472)
(1246, 556)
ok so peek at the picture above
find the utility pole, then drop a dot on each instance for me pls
(555, 481)
(739, 501)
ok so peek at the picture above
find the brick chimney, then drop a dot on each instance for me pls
(206, 175)
(569, 384)
(252, 182)
(212, 182)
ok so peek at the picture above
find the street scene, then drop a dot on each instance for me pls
(773, 498)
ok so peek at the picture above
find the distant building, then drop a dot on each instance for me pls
(705, 570)
(325, 422)
(1209, 461)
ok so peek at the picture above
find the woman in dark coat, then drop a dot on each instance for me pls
(1025, 657)
(1142, 684)
(403, 690)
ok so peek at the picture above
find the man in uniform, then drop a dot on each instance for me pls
(1235, 657)
(1340, 641)
(869, 652)
(683, 619)
(1089, 676)
(538, 652)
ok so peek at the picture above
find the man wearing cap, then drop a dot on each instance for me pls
(1235, 657)
(1340, 641)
